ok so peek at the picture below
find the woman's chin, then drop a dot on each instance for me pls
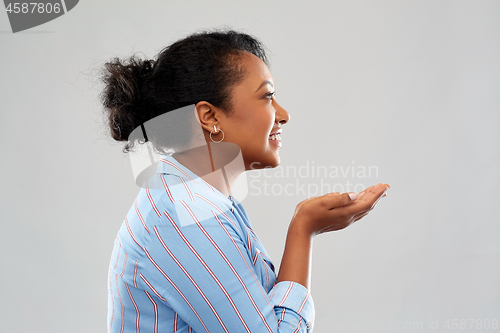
(276, 163)
(257, 165)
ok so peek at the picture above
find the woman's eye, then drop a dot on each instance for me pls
(270, 95)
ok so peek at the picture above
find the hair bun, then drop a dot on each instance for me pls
(122, 96)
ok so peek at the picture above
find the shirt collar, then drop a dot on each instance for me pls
(169, 165)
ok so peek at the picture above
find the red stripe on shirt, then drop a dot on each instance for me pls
(170, 196)
(216, 207)
(303, 303)
(209, 186)
(187, 188)
(140, 216)
(156, 310)
(267, 278)
(249, 245)
(265, 255)
(123, 308)
(271, 297)
(138, 315)
(151, 199)
(118, 254)
(175, 166)
(286, 294)
(152, 288)
(282, 317)
(253, 232)
(135, 274)
(131, 234)
(113, 305)
(124, 263)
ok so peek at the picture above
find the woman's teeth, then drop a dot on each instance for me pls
(275, 137)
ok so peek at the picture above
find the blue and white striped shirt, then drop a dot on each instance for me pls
(187, 260)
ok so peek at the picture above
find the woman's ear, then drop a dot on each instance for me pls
(207, 115)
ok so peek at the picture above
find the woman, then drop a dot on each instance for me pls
(186, 258)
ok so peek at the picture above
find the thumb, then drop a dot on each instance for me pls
(333, 200)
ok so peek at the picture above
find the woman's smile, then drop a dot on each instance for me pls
(275, 138)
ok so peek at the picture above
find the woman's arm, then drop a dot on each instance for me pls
(318, 215)
(198, 263)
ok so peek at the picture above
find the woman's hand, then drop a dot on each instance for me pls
(335, 211)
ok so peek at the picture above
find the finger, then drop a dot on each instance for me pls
(304, 201)
(378, 189)
(331, 201)
(360, 216)
(368, 199)
(374, 188)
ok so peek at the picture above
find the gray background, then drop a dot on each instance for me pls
(411, 87)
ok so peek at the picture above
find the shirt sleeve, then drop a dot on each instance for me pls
(199, 265)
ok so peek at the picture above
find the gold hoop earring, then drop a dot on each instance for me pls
(214, 131)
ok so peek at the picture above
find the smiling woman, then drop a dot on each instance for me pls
(186, 258)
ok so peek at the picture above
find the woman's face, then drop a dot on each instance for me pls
(254, 123)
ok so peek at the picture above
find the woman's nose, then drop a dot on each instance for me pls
(282, 116)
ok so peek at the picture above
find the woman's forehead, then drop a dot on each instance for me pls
(257, 71)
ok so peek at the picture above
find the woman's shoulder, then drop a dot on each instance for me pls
(184, 200)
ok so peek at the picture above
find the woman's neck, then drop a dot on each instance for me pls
(218, 164)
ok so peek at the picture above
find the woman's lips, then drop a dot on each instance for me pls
(275, 138)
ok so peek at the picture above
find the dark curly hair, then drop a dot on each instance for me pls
(201, 67)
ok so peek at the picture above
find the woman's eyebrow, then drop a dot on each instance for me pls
(264, 83)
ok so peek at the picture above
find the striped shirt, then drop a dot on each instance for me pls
(187, 260)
